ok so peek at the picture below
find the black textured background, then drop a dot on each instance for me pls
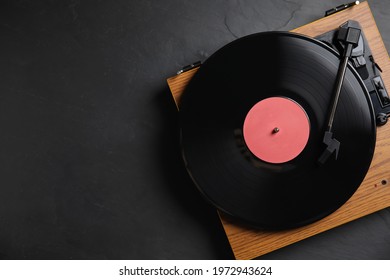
(89, 155)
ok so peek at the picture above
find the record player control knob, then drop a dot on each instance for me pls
(383, 96)
(381, 119)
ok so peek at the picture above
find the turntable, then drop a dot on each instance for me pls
(286, 133)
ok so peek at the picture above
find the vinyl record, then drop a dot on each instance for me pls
(281, 83)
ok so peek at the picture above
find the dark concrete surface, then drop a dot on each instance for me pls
(89, 153)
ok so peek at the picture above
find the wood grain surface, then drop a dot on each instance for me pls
(372, 195)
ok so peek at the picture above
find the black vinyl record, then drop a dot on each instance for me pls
(275, 195)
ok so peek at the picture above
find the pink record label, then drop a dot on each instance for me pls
(276, 129)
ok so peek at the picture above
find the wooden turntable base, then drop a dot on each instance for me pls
(374, 192)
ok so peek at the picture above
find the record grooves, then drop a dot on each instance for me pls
(296, 191)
